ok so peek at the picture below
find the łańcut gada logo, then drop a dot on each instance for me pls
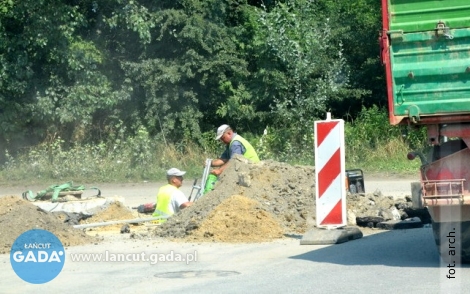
(37, 256)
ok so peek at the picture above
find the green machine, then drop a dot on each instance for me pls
(55, 191)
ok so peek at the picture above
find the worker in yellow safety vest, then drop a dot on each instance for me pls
(170, 199)
(236, 144)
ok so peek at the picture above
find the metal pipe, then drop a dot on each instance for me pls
(128, 221)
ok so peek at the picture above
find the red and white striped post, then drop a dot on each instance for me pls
(330, 173)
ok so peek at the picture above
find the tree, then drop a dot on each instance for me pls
(188, 69)
(356, 24)
(52, 77)
(301, 65)
(82, 70)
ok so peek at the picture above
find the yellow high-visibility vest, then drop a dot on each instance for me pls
(250, 152)
(163, 207)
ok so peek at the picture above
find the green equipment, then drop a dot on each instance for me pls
(210, 182)
(55, 191)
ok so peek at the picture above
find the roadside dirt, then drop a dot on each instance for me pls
(238, 219)
(114, 212)
(281, 192)
(250, 203)
(18, 216)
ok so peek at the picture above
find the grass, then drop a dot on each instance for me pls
(87, 164)
(91, 164)
(388, 157)
(370, 143)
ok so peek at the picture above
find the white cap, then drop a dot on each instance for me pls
(175, 172)
(221, 130)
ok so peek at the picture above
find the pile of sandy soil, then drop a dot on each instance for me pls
(114, 212)
(238, 219)
(250, 203)
(282, 193)
(18, 216)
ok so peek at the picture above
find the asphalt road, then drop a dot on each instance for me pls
(384, 262)
(139, 193)
(403, 261)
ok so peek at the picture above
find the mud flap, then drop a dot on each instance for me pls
(453, 241)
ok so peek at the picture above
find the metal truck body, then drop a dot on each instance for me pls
(425, 48)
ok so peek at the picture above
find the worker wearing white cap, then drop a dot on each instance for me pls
(170, 199)
(236, 144)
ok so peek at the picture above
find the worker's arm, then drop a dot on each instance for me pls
(222, 160)
(218, 171)
(218, 162)
(186, 204)
(235, 148)
(179, 200)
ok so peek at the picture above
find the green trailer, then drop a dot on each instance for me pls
(425, 48)
(426, 53)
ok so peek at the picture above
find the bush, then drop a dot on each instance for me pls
(371, 144)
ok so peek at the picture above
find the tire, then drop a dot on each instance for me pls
(453, 246)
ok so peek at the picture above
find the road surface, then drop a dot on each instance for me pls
(381, 262)
(139, 193)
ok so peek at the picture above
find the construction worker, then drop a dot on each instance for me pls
(236, 144)
(170, 199)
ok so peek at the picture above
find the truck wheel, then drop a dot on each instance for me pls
(453, 246)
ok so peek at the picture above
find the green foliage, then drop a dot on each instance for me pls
(302, 65)
(135, 159)
(371, 127)
(373, 143)
(134, 17)
(239, 102)
(53, 77)
(183, 75)
(285, 146)
(112, 78)
(356, 25)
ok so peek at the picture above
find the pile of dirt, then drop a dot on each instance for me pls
(249, 203)
(18, 216)
(285, 192)
(243, 217)
(114, 212)
(281, 191)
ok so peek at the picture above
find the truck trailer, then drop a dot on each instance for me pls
(425, 50)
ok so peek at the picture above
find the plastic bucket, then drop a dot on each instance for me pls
(211, 179)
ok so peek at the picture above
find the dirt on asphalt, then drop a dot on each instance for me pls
(114, 212)
(238, 219)
(278, 191)
(250, 203)
(18, 216)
